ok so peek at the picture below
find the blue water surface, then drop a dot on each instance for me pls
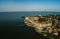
(14, 18)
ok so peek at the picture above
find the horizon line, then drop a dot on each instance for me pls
(29, 11)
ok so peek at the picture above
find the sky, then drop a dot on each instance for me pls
(29, 5)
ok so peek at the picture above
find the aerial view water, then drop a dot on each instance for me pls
(14, 18)
(11, 25)
(25, 19)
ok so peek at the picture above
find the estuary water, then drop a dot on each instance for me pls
(13, 26)
(14, 18)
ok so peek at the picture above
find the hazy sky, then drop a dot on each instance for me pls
(29, 5)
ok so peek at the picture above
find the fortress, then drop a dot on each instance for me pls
(44, 24)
